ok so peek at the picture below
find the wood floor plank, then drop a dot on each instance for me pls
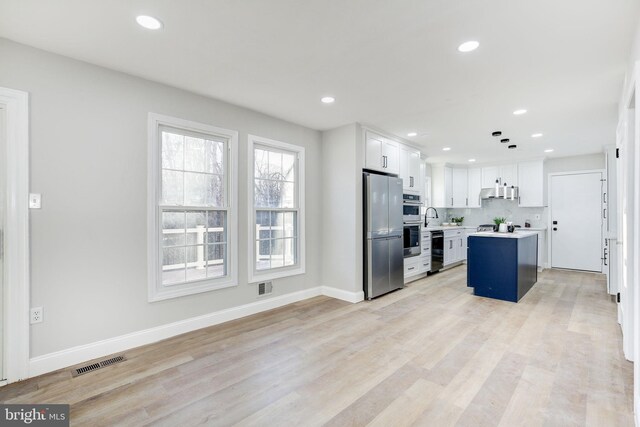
(431, 354)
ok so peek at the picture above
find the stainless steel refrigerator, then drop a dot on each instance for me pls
(383, 226)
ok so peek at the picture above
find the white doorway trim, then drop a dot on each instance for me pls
(550, 210)
(16, 285)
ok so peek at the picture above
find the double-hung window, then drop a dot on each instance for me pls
(192, 211)
(276, 221)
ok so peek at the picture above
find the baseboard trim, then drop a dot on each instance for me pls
(352, 297)
(72, 356)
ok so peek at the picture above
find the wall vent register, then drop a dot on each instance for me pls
(98, 365)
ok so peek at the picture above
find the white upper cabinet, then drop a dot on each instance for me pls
(459, 184)
(531, 183)
(381, 153)
(410, 169)
(509, 175)
(503, 174)
(441, 186)
(455, 187)
(474, 186)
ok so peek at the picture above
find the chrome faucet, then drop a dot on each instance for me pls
(426, 217)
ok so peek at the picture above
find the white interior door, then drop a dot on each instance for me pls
(576, 221)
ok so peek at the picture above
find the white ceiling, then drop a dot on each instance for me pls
(391, 64)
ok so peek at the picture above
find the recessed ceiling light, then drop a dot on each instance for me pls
(149, 22)
(505, 140)
(328, 99)
(496, 133)
(472, 160)
(446, 149)
(536, 135)
(512, 147)
(412, 134)
(519, 112)
(549, 150)
(468, 46)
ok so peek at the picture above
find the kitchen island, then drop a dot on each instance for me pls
(502, 265)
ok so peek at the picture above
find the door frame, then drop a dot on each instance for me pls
(16, 285)
(550, 210)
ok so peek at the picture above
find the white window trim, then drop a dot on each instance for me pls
(156, 291)
(299, 268)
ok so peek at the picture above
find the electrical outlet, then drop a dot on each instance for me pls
(536, 217)
(36, 315)
(35, 201)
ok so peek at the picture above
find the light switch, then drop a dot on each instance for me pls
(34, 201)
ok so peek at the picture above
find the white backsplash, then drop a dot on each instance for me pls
(492, 208)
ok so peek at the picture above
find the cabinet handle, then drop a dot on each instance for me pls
(604, 213)
(604, 197)
(411, 268)
(452, 201)
(466, 202)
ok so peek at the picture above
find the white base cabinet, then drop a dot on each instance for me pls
(455, 248)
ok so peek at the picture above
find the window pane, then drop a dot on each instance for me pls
(261, 191)
(288, 166)
(275, 193)
(217, 232)
(275, 165)
(196, 227)
(194, 189)
(261, 165)
(263, 250)
(172, 150)
(277, 222)
(194, 154)
(195, 263)
(173, 265)
(289, 246)
(263, 225)
(172, 188)
(290, 225)
(215, 190)
(214, 157)
(277, 253)
(173, 229)
(217, 256)
(287, 195)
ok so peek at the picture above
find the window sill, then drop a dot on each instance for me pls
(177, 291)
(256, 277)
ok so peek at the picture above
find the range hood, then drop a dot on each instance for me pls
(490, 193)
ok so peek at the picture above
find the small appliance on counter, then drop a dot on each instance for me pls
(486, 227)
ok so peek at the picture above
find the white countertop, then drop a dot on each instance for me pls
(473, 227)
(515, 235)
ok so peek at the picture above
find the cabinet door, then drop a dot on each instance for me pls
(373, 155)
(449, 251)
(448, 187)
(459, 187)
(414, 170)
(474, 186)
(489, 176)
(391, 153)
(530, 179)
(509, 175)
(404, 169)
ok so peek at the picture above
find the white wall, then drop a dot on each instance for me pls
(89, 161)
(342, 162)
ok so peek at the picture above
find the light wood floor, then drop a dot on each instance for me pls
(431, 354)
